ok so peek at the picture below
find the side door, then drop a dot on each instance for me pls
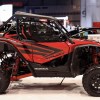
(49, 57)
(47, 48)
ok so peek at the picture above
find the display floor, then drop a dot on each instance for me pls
(47, 89)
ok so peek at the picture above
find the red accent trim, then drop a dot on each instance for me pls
(23, 32)
(16, 78)
(16, 66)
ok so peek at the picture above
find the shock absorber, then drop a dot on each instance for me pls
(15, 66)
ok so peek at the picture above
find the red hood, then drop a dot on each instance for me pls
(84, 42)
(80, 42)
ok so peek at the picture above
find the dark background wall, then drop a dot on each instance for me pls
(70, 8)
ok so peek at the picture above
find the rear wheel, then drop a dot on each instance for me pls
(6, 63)
(91, 82)
(4, 81)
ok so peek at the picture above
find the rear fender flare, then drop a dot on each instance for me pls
(5, 46)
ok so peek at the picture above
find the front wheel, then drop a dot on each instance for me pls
(4, 81)
(91, 82)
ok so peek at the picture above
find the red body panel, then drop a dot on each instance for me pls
(80, 42)
(61, 48)
(46, 51)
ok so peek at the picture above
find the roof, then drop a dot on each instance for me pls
(18, 13)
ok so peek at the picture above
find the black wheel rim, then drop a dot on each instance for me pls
(95, 82)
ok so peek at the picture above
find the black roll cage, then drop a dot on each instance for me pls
(19, 15)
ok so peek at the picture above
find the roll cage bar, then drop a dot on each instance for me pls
(19, 15)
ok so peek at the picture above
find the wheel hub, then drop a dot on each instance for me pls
(95, 83)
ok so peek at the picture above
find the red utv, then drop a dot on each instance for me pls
(39, 45)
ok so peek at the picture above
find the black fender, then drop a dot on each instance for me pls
(91, 68)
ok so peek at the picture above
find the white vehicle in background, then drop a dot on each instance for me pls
(63, 20)
(6, 12)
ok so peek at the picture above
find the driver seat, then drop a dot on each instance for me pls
(25, 32)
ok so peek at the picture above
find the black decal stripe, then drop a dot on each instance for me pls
(44, 46)
(47, 47)
(40, 50)
(28, 52)
(25, 51)
(54, 55)
(41, 54)
(35, 48)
